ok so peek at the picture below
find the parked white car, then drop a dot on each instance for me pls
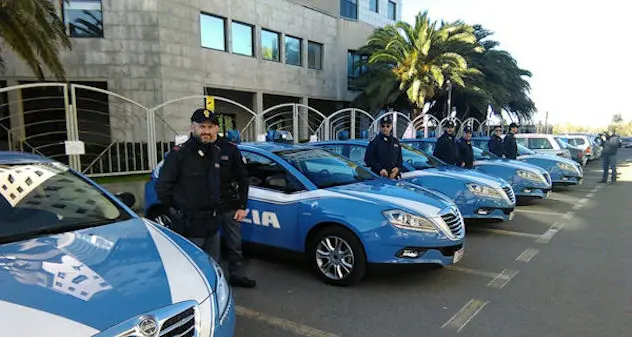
(583, 142)
(542, 143)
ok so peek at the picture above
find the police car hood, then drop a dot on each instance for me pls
(512, 164)
(82, 282)
(464, 175)
(551, 157)
(400, 195)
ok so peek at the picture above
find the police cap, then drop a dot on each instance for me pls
(204, 115)
(386, 120)
(449, 124)
(467, 129)
(513, 125)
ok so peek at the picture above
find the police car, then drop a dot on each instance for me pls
(307, 200)
(562, 171)
(527, 181)
(476, 194)
(76, 260)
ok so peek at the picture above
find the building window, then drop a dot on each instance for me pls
(213, 31)
(242, 38)
(293, 51)
(373, 5)
(392, 10)
(270, 45)
(356, 67)
(314, 55)
(349, 9)
(83, 18)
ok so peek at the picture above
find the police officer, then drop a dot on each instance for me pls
(510, 146)
(234, 200)
(446, 147)
(384, 154)
(611, 145)
(465, 153)
(189, 184)
(495, 143)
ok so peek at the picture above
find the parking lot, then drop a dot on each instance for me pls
(561, 267)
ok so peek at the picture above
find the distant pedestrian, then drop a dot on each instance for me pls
(465, 153)
(189, 184)
(509, 144)
(611, 145)
(495, 143)
(384, 153)
(446, 146)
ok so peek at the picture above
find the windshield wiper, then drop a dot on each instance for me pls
(54, 230)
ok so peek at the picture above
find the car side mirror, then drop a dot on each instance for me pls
(127, 198)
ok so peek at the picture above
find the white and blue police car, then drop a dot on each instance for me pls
(77, 261)
(341, 216)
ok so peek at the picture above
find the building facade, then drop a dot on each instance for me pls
(259, 53)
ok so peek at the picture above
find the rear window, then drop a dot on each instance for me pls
(540, 144)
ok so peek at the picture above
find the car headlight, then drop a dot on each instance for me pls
(566, 167)
(483, 191)
(222, 291)
(528, 175)
(404, 220)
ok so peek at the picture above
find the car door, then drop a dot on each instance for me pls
(273, 203)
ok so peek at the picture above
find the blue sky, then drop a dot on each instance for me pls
(577, 50)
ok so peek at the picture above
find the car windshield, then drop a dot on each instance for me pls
(480, 154)
(47, 198)
(561, 143)
(524, 151)
(325, 169)
(418, 159)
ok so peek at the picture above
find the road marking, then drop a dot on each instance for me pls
(550, 233)
(538, 212)
(505, 232)
(503, 278)
(465, 315)
(568, 215)
(472, 271)
(590, 195)
(577, 207)
(527, 255)
(284, 324)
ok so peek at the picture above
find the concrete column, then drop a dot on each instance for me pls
(229, 35)
(17, 130)
(257, 105)
(303, 121)
(282, 48)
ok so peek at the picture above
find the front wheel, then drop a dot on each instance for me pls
(338, 257)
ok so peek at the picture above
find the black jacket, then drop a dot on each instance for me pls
(465, 153)
(234, 180)
(611, 145)
(384, 152)
(510, 146)
(495, 145)
(446, 149)
(189, 183)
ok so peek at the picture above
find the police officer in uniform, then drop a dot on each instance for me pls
(510, 146)
(495, 143)
(234, 201)
(189, 184)
(611, 145)
(384, 154)
(465, 153)
(446, 147)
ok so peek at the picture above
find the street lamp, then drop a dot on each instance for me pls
(448, 86)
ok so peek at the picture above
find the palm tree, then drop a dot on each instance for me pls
(415, 60)
(34, 31)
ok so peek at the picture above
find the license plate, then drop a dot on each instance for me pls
(458, 255)
(511, 215)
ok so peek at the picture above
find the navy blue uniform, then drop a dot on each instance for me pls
(495, 145)
(384, 152)
(446, 149)
(510, 146)
(465, 153)
(189, 183)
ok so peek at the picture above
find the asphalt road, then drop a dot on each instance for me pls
(562, 267)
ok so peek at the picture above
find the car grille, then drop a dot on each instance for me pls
(547, 176)
(510, 194)
(454, 222)
(180, 325)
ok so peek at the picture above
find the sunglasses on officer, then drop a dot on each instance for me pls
(386, 125)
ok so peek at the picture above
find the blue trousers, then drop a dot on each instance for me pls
(609, 163)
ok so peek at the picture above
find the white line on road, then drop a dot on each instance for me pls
(527, 255)
(568, 215)
(582, 200)
(472, 271)
(504, 232)
(577, 207)
(503, 278)
(590, 195)
(550, 233)
(465, 315)
(538, 212)
(284, 324)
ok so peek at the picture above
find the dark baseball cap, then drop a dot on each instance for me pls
(204, 115)
(513, 125)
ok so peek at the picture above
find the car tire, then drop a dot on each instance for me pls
(350, 259)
